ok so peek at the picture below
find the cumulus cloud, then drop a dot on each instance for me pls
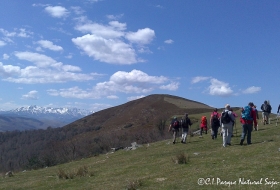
(32, 95)
(108, 43)
(49, 45)
(21, 32)
(252, 90)
(114, 17)
(5, 56)
(120, 82)
(45, 70)
(57, 11)
(172, 86)
(142, 36)
(104, 50)
(112, 97)
(8, 70)
(219, 88)
(199, 79)
(169, 41)
(2, 43)
(134, 97)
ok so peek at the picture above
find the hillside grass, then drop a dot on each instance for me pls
(154, 166)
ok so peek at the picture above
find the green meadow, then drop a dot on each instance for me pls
(201, 163)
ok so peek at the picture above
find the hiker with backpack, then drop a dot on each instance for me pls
(174, 126)
(203, 125)
(266, 110)
(248, 119)
(185, 124)
(234, 121)
(227, 120)
(257, 115)
(215, 123)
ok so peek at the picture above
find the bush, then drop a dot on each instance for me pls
(133, 185)
(181, 158)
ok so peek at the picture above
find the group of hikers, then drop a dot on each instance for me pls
(226, 121)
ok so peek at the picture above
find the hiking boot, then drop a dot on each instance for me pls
(241, 142)
(249, 143)
(229, 144)
(173, 142)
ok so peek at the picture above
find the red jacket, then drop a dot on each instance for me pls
(253, 115)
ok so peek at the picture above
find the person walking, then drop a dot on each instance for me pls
(227, 119)
(257, 116)
(266, 110)
(215, 123)
(203, 125)
(185, 124)
(248, 119)
(174, 126)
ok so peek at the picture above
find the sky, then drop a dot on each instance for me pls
(96, 54)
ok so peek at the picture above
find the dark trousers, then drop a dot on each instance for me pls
(246, 130)
(202, 129)
(214, 131)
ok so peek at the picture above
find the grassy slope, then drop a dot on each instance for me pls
(152, 166)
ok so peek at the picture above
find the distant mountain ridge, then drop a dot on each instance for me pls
(44, 116)
(37, 110)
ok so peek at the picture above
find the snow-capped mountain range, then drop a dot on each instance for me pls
(35, 117)
(36, 110)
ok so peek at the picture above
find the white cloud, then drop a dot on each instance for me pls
(9, 70)
(46, 70)
(106, 50)
(169, 41)
(219, 88)
(172, 86)
(108, 43)
(112, 97)
(49, 45)
(142, 36)
(6, 56)
(17, 33)
(115, 29)
(57, 11)
(114, 17)
(120, 82)
(199, 79)
(134, 97)
(77, 10)
(32, 95)
(252, 90)
(7, 34)
(2, 43)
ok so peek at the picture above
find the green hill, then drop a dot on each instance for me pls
(155, 166)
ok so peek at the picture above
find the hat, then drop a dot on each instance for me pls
(251, 104)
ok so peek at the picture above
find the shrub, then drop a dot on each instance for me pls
(133, 185)
(181, 158)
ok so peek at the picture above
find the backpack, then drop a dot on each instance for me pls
(204, 120)
(175, 124)
(225, 117)
(215, 119)
(185, 122)
(246, 113)
(267, 108)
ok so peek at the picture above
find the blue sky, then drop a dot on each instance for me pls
(95, 54)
